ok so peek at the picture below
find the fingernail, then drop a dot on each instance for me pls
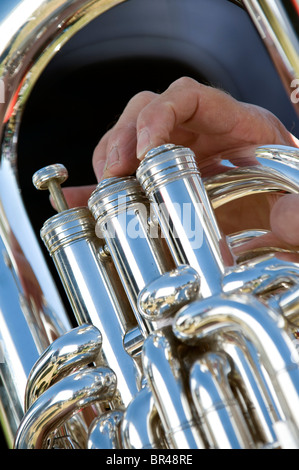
(144, 143)
(100, 169)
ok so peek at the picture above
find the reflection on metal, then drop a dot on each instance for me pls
(180, 342)
(274, 22)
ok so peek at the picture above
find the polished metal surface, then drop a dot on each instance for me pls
(94, 290)
(141, 426)
(122, 212)
(78, 347)
(32, 313)
(250, 384)
(51, 177)
(104, 431)
(215, 402)
(262, 326)
(170, 178)
(163, 371)
(55, 405)
(276, 169)
(204, 369)
(275, 21)
(180, 344)
(168, 293)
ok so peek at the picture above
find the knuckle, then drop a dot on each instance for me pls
(142, 97)
(185, 83)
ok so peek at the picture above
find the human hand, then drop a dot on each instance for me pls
(212, 124)
(202, 118)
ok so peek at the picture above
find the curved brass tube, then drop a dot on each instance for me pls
(104, 431)
(31, 32)
(60, 402)
(140, 424)
(216, 404)
(276, 170)
(77, 348)
(262, 326)
(163, 372)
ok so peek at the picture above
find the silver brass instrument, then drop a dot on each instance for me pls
(180, 344)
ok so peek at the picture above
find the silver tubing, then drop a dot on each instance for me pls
(171, 180)
(122, 215)
(141, 426)
(61, 401)
(93, 289)
(72, 351)
(268, 177)
(216, 405)
(264, 327)
(276, 169)
(261, 274)
(31, 32)
(104, 431)
(164, 296)
(275, 25)
(288, 304)
(75, 349)
(165, 377)
(26, 46)
(261, 404)
(283, 161)
(23, 336)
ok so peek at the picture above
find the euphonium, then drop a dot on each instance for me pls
(180, 344)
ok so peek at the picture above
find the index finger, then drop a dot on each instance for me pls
(209, 118)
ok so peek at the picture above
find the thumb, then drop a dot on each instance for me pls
(284, 219)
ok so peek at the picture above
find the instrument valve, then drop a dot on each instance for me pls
(51, 177)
